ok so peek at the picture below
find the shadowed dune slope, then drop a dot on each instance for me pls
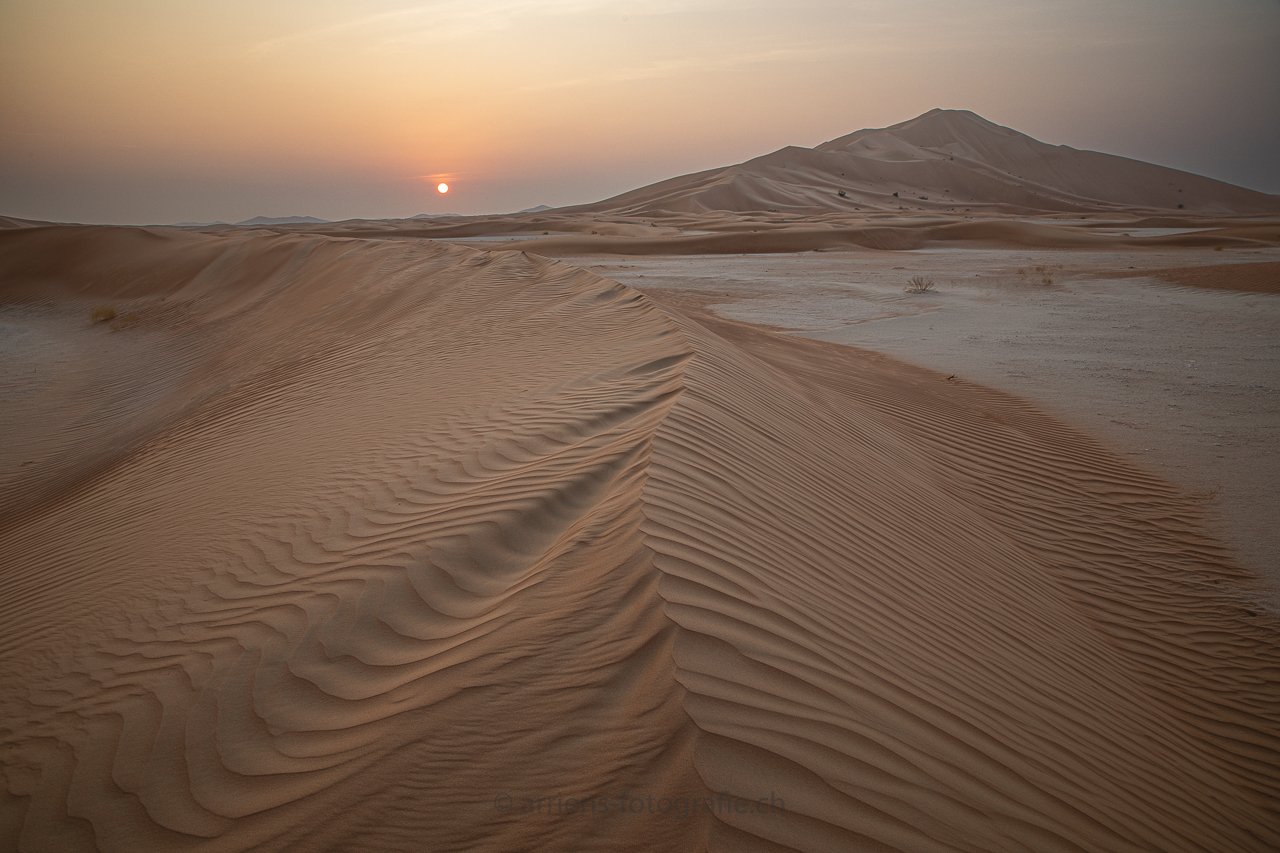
(357, 545)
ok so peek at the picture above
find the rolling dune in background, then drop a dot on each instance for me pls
(723, 233)
(334, 544)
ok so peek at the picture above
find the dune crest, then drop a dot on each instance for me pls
(364, 545)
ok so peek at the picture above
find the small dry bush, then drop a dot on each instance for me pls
(919, 284)
(1044, 272)
(103, 313)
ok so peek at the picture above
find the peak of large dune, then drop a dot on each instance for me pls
(943, 160)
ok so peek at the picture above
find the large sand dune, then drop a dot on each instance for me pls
(944, 160)
(946, 179)
(346, 544)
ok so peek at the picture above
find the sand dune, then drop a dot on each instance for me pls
(340, 544)
(942, 160)
(576, 234)
(823, 234)
(947, 178)
(15, 222)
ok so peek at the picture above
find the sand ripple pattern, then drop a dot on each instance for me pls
(941, 622)
(350, 540)
(367, 581)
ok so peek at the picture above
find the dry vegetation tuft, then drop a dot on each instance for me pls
(1044, 273)
(103, 313)
(919, 284)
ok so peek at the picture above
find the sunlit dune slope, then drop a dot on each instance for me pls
(942, 160)
(355, 545)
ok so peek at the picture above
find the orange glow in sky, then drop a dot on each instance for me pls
(146, 111)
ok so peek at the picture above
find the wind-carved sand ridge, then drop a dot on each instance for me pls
(347, 540)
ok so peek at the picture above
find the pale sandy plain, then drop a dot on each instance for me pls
(345, 537)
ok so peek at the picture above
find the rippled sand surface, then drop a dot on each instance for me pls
(324, 543)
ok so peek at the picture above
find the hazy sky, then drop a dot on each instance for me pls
(149, 111)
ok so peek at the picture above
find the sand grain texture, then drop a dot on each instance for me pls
(343, 539)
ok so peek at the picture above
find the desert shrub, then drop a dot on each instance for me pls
(1044, 273)
(103, 313)
(919, 284)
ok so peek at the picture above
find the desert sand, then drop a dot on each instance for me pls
(390, 536)
(1175, 366)
(332, 544)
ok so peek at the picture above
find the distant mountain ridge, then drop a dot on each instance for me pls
(943, 160)
(282, 220)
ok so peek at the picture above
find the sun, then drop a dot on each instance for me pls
(442, 188)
